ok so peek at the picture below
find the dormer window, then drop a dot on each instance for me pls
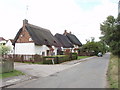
(30, 39)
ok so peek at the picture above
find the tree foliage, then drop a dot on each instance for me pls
(94, 47)
(4, 49)
(111, 34)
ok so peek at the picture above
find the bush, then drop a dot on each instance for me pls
(37, 58)
(73, 56)
(57, 59)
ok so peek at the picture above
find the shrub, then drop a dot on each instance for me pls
(57, 59)
(73, 56)
(37, 58)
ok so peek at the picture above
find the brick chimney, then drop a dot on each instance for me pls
(65, 32)
(25, 22)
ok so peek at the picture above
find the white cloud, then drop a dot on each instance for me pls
(55, 15)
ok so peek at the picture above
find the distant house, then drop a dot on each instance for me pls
(32, 39)
(2, 41)
(68, 41)
(65, 42)
(9, 44)
(74, 40)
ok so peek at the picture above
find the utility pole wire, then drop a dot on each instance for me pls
(26, 14)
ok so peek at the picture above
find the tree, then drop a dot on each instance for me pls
(111, 34)
(4, 49)
(94, 47)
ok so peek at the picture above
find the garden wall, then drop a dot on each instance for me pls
(6, 65)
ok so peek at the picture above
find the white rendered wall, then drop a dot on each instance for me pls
(55, 50)
(44, 48)
(40, 49)
(31, 49)
(9, 44)
(25, 48)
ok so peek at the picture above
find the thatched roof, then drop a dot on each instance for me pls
(64, 41)
(74, 40)
(39, 35)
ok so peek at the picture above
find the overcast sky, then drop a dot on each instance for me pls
(81, 17)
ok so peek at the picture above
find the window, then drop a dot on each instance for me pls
(21, 35)
(43, 53)
(30, 39)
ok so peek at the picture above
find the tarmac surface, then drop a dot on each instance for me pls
(34, 71)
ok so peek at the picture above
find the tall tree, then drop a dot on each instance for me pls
(111, 34)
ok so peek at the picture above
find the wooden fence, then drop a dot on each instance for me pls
(24, 58)
(86, 54)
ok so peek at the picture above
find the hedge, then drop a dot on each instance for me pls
(59, 58)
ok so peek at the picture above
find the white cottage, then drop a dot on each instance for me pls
(32, 39)
(9, 44)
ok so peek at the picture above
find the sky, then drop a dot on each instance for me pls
(81, 17)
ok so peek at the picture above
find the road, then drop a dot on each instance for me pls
(87, 74)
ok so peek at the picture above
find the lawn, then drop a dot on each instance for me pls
(113, 72)
(82, 57)
(10, 74)
(31, 62)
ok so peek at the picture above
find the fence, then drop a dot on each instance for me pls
(39, 58)
(86, 53)
(24, 58)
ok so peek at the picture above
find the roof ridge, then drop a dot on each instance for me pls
(38, 27)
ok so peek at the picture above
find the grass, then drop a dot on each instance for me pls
(31, 62)
(112, 74)
(82, 57)
(11, 74)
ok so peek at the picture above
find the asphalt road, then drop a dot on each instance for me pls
(87, 74)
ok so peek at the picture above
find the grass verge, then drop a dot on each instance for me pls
(112, 74)
(31, 62)
(10, 74)
(82, 57)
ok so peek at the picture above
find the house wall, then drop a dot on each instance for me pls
(9, 44)
(44, 48)
(31, 49)
(40, 49)
(24, 37)
(55, 50)
(25, 48)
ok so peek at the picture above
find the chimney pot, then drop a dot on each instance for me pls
(25, 22)
(65, 32)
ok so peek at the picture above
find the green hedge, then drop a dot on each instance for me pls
(74, 56)
(59, 58)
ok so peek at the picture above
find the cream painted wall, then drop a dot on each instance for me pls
(9, 44)
(40, 49)
(31, 48)
(25, 48)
